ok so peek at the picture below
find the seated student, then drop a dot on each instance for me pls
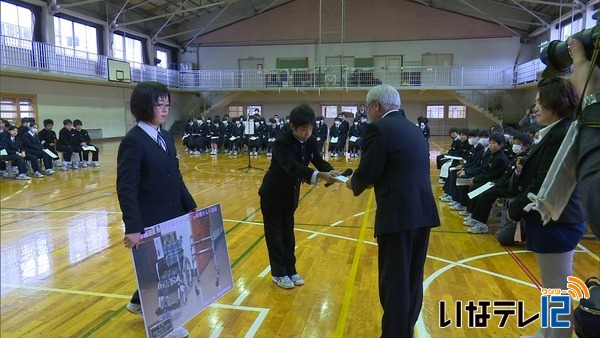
(47, 137)
(471, 158)
(238, 134)
(354, 134)
(463, 152)
(33, 146)
(273, 132)
(336, 137)
(475, 166)
(480, 207)
(214, 133)
(198, 138)
(494, 169)
(16, 154)
(227, 134)
(264, 135)
(187, 134)
(67, 144)
(320, 133)
(454, 147)
(254, 139)
(83, 137)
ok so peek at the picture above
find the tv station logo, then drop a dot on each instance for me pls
(554, 304)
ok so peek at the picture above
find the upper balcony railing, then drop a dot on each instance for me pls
(35, 56)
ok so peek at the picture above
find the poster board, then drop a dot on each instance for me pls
(182, 266)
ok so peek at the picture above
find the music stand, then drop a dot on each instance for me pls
(249, 130)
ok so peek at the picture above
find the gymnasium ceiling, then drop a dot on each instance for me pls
(180, 22)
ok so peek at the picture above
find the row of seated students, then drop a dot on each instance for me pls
(29, 144)
(486, 157)
(215, 134)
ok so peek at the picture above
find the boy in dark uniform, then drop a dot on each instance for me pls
(280, 192)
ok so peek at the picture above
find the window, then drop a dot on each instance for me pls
(17, 23)
(235, 111)
(457, 112)
(14, 107)
(329, 112)
(571, 28)
(435, 111)
(76, 38)
(251, 110)
(126, 48)
(163, 57)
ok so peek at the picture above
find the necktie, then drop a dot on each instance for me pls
(161, 141)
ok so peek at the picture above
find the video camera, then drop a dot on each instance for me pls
(556, 55)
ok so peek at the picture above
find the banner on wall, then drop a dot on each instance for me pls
(182, 266)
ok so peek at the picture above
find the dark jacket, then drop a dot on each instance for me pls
(395, 160)
(281, 184)
(149, 184)
(588, 168)
(535, 168)
(47, 137)
(31, 142)
(493, 168)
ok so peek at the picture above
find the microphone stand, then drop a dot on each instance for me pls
(249, 131)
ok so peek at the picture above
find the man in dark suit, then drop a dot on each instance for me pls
(280, 191)
(149, 184)
(395, 161)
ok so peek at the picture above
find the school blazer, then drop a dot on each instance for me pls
(281, 183)
(149, 184)
(395, 160)
(535, 168)
(31, 142)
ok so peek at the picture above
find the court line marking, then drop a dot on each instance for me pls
(262, 314)
(341, 324)
(216, 332)
(17, 192)
(265, 271)
(67, 291)
(26, 211)
(312, 236)
(336, 223)
(435, 144)
(588, 251)
(241, 298)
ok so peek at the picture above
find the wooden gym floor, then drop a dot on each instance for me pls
(65, 272)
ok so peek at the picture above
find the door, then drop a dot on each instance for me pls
(436, 69)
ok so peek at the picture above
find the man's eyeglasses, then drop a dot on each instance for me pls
(163, 106)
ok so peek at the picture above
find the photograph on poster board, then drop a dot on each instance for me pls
(182, 266)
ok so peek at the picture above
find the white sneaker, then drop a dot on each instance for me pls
(49, 171)
(23, 177)
(464, 213)
(75, 165)
(297, 280)
(4, 173)
(37, 174)
(284, 282)
(83, 164)
(95, 164)
(446, 199)
(136, 309)
(470, 222)
(57, 163)
(478, 229)
(179, 332)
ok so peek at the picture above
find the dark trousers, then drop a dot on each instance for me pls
(68, 151)
(45, 157)
(401, 260)
(17, 161)
(483, 203)
(86, 154)
(135, 299)
(279, 235)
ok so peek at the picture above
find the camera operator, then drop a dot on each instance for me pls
(588, 163)
(530, 119)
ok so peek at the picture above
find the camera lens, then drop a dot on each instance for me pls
(556, 57)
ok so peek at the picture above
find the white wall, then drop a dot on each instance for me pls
(98, 106)
(472, 52)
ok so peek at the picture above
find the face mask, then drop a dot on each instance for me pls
(484, 141)
(256, 124)
(472, 141)
(225, 122)
(516, 148)
(34, 130)
(287, 121)
(190, 123)
(207, 121)
(356, 123)
(238, 124)
(337, 123)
